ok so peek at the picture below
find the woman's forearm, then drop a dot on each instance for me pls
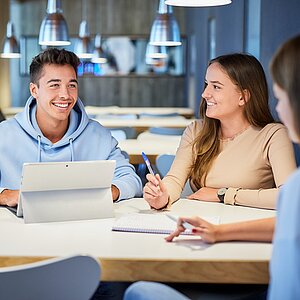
(256, 230)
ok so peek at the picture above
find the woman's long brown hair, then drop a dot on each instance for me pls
(247, 73)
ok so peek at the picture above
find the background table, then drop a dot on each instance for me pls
(152, 148)
(144, 124)
(140, 256)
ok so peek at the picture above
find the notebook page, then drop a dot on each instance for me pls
(151, 223)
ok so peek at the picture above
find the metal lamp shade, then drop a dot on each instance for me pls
(10, 47)
(99, 55)
(156, 51)
(165, 31)
(54, 31)
(83, 47)
(197, 3)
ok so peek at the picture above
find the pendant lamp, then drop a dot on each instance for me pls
(10, 47)
(54, 29)
(156, 51)
(165, 30)
(83, 46)
(99, 55)
(197, 3)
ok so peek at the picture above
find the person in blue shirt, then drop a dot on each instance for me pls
(285, 261)
(55, 127)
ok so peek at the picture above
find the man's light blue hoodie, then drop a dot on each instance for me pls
(22, 141)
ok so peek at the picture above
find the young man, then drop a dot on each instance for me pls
(55, 127)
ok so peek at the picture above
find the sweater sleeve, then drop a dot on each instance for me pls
(279, 153)
(180, 170)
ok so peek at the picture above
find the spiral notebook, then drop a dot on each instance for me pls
(151, 223)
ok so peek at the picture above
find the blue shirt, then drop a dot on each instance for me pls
(285, 263)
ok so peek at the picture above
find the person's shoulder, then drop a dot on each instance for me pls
(273, 130)
(194, 127)
(7, 124)
(273, 127)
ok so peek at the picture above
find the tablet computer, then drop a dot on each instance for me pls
(64, 191)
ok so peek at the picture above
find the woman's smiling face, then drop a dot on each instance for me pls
(223, 98)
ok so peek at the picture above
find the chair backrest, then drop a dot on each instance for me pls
(116, 116)
(118, 134)
(163, 165)
(68, 278)
(154, 115)
(130, 132)
(166, 130)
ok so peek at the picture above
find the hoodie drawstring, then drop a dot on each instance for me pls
(39, 148)
(39, 138)
(72, 149)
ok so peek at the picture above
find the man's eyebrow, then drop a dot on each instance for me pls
(53, 80)
(58, 80)
(74, 80)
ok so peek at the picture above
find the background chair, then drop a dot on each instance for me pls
(163, 164)
(123, 133)
(69, 278)
(153, 115)
(166, 130)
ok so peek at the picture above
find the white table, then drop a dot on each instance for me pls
(144, 124)
(152, 148)
(98, 110)
(138, 256)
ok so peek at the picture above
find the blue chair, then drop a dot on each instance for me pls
(166, 130)
(130, 132)
(153, 115)
(163, 164)
(68, 278)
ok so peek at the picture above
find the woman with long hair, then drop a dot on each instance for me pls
(285, 262)
(235, 153)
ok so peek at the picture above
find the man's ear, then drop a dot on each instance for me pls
(244, 98)
(33, 90)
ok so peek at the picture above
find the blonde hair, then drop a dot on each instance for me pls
(247, 73)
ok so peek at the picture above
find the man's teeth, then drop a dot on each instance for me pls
(62, 105)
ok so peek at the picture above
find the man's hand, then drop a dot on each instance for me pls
(9, 197)
(115, 193)
(205, 194)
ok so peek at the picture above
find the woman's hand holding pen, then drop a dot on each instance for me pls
(207, 231)
(155, 193)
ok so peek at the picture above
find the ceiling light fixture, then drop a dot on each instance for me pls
(99, 55)
(54, 29)
(165, 30)
(197, 3)
(10, 46)
(83, 46)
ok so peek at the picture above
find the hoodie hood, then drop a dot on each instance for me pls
(27, 120)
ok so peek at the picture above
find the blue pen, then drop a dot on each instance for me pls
(147, 162)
